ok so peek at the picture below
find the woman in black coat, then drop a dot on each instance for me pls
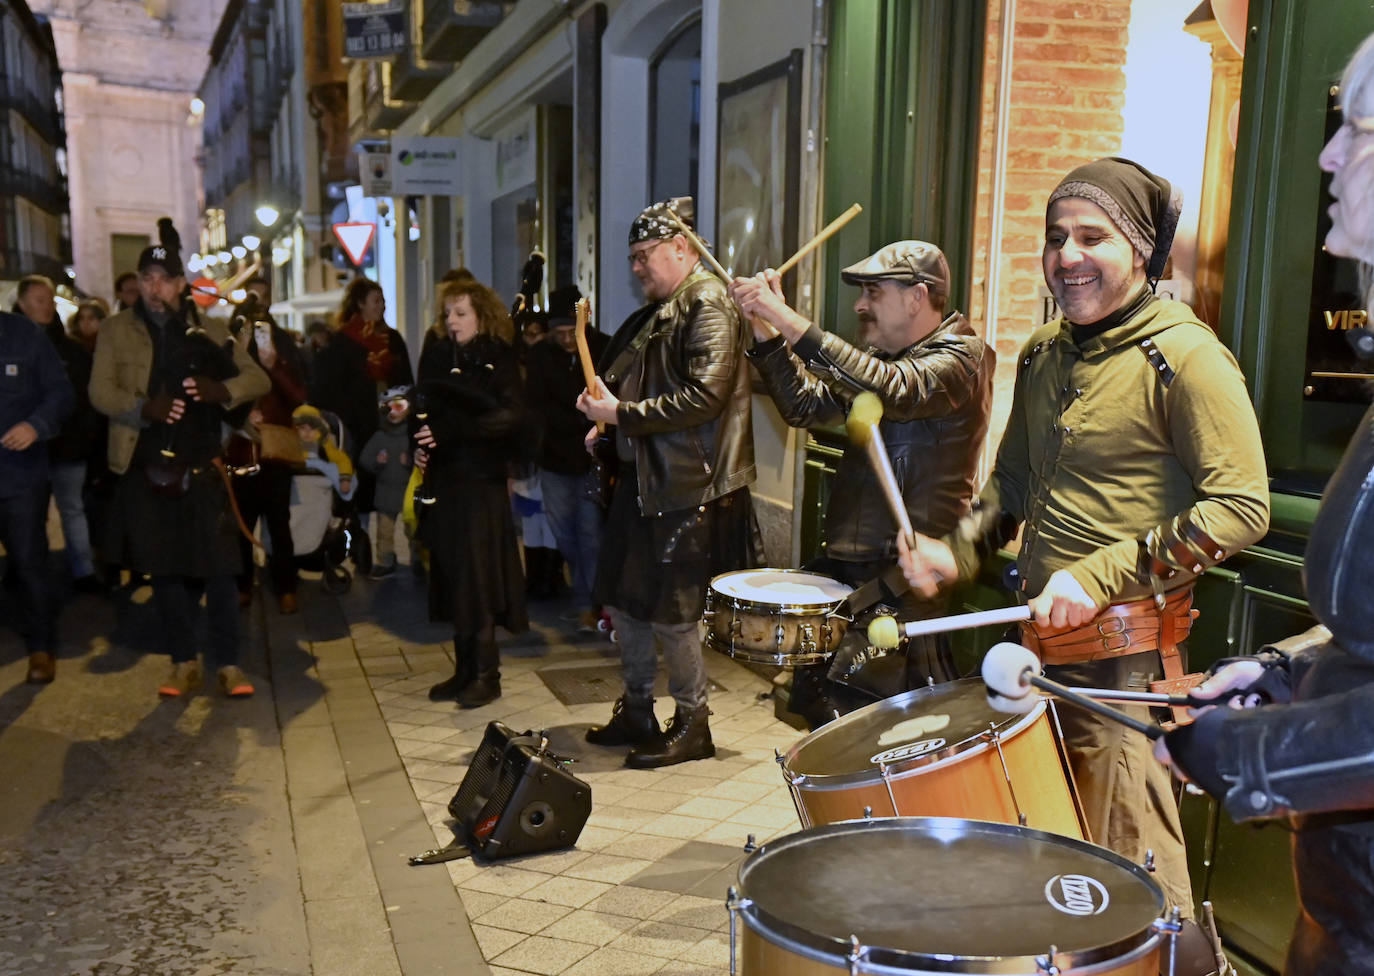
(472, 425)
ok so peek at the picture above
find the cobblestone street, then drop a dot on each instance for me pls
(270, 835)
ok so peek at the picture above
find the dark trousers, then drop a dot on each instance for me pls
(267, 495)
(23, 533)
(176, 597)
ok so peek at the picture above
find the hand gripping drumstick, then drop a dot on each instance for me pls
(830, 229)
(584, 312)
(862, 425)
(887, 632)
(1009, 671)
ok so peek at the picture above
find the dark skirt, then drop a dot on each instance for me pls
(658, 568)
(194, 535)
(474, 559)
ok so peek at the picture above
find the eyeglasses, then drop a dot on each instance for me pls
(642, 255)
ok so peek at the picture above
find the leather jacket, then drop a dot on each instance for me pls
(1313, 760)
(690, 422)
(936, 398)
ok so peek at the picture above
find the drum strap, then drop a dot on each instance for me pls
(1126, 628)
(885, 588)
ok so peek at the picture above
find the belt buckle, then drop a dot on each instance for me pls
(1115, 636)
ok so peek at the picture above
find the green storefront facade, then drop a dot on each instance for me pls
(902, 77)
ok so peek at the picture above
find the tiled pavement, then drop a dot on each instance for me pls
(642, 892)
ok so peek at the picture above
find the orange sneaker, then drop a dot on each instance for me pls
(182, 680)
(233, 682)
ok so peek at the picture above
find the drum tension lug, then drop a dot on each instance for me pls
(868, 813)
(1150, 860)
(1170, 930)
(750, 844)
(1045, 964)
(858, 953)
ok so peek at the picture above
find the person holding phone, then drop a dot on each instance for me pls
(263, 490)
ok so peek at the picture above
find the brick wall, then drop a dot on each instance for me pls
(1067, 94)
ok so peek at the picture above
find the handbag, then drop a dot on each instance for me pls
(280, 443)
(171, 479)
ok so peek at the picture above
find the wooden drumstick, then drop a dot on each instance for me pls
(862, 425)
(815, 242)
(700, 245)
(584, 312)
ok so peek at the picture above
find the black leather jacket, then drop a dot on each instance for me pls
(690, 423)
(936, 398)
(1313, 759)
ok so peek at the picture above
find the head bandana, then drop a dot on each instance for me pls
(654, 224)
(1143, 206)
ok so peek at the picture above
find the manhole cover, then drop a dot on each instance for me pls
(588, 684)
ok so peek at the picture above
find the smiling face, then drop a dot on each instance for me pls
(1090, 266)
(461, 319)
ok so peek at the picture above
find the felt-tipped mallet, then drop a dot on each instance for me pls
(888, 632)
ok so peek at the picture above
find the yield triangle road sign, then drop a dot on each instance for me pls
(356, 239)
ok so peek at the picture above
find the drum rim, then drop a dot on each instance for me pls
(1015, 725)
(825, 949)
(817, 608)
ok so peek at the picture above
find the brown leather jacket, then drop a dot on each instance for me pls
(689, 422)
(936, 398)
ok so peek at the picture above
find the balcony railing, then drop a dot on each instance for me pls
(452, 28)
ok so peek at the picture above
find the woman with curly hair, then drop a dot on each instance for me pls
(472, 426)
(365, 358)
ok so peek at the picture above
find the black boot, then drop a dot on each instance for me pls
(686, 737)
(632, 722)
(464, 672)
(486, 687)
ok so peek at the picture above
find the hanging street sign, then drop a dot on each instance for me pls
(375, 30)
(355, 239)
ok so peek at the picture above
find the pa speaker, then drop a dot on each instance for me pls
(518, 798)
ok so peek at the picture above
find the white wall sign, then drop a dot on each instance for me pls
(374, 171)
(516, 154)
(425, 166)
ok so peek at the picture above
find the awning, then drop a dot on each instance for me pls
(311, 303)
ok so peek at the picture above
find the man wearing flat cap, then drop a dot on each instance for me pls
(933, 375)
(1132, 463)
(166, 379)
(680, 511)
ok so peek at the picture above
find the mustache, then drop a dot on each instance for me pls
(865, 317)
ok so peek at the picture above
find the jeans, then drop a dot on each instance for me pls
(176, 597)
(267, 495)
(23, 533)
(681, 645)
(575, 521)
(68, 484)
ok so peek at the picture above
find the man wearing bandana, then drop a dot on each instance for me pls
(680, 512)
(1132, 463)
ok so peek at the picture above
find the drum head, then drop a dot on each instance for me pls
(908, 730)
(781, 587)
(949, 895)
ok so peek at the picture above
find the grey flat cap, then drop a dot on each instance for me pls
(905, 262)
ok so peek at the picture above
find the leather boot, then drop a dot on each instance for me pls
(632, 722)
(686, 737)
(42, 668)
(464, 671)
(486, 687)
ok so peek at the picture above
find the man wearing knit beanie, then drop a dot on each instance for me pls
(1132, 463)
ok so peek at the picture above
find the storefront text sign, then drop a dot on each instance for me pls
(375, 30)
(516, 158)
(425, 166)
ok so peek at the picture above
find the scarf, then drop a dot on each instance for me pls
(373, 337)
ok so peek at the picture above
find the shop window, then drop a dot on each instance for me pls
(675, 115)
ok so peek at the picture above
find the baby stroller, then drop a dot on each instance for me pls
(325, 525)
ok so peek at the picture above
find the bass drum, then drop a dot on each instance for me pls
(939, 896)
(940, 751)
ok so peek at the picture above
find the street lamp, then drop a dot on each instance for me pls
(267, 214)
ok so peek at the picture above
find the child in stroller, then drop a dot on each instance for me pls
(325, 525)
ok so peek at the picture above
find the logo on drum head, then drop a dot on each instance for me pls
(909, 751)
(1077, 894)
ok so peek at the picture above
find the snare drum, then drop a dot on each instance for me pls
(934, 752)
(775, 616)
(934, 895)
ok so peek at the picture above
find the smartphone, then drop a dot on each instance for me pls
(262, 335)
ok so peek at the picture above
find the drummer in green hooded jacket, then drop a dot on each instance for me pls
(1131, 463)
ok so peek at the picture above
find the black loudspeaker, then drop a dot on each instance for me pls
(518, 798)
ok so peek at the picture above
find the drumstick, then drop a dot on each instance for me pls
(584, 312)
(887, 632)
(862, 425)
(1009, 671)
(700, 245)
(815, 242)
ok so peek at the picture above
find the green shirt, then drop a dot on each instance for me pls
(1101, 451)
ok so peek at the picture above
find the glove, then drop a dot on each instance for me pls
(207, 390)
(157, 408)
